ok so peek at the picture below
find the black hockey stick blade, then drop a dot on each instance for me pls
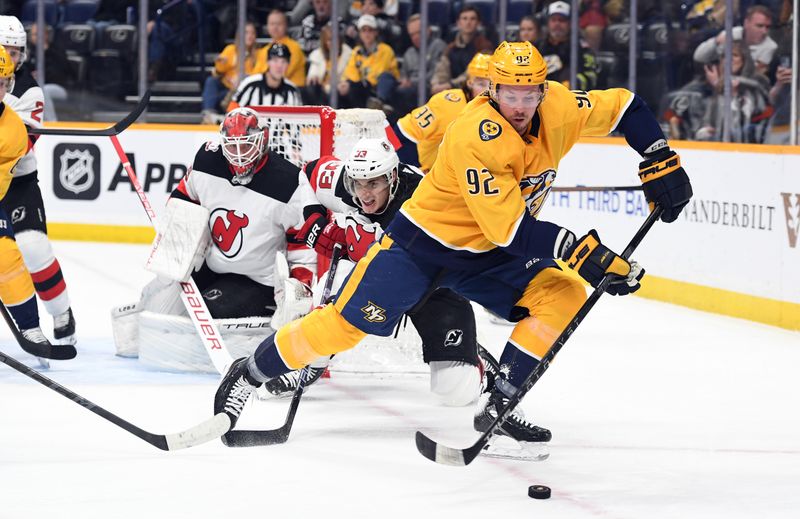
(445, 455)
(206, 431)
(281, 434)
(45, 351)
(268, 437)
(104, 132)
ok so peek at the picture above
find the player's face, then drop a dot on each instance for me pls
(3, 87)
(478, 85)
(373, 194)
(518, 104)
(15, 53)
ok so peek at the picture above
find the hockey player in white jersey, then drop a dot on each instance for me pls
(23, 203)
(254, 200)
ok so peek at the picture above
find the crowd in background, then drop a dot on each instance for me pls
(288, 47)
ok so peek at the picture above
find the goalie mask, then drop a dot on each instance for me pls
(14, 38)
(370, 174)
(243, 143)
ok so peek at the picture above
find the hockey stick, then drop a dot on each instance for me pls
(281, 434)
(200, 433)
(459, 457)
(53, 351)
(190, 294)
(596, 188)
(105, 132)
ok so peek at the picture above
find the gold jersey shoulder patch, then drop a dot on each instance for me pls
(452, 97)
(489, 130)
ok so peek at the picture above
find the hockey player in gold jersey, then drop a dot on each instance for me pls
(16, 285)
(473, 226)
(425, 126)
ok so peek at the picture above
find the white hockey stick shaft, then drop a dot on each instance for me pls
(190, 294)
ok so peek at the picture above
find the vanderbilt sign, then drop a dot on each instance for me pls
(791, 208)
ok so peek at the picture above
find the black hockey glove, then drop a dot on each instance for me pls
(311, 230)
(665, 183)
(593, 261)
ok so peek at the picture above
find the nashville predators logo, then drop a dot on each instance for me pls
(535, 189)
(226, 230)
(374, 313)
(489, 130)
(455, 98)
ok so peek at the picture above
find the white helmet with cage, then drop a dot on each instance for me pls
(12, 34)
(371, 158)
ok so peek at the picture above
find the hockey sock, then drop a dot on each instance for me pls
(266, 363)
(25, 314)
(515, 365)
(45, 271)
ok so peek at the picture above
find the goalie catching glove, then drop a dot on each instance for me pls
(665, 182)
(593, 261)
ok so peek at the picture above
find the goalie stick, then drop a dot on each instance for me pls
(460, 457)
(203, 432)
(53, 351)
(281, 434)
(105, 132)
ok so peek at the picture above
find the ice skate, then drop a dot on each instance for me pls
(516, 438)
(286, 384)
(64, 328)
(234, 391)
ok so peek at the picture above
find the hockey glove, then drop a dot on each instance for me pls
(665, 183)
(312, 228)
(359, 239)
(328, 238)
(593, 261)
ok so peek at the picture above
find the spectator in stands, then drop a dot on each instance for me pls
(313, 24)
(685, 109)
(528, 29)
(749, 105)
(372, 72)
(318, 81)
(555, 49)
(778, 131)
(277, 26)
(451, 70)
(303, 7)
(270, 88)
(390, 31)
(225, 77)
(592, 22)
(755, 31)
(406, 93)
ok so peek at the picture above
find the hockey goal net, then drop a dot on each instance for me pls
(305, 133)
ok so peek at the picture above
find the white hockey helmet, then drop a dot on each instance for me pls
(12, 34)
(243, 142)
(371, 158)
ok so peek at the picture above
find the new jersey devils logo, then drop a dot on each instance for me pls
(226, 230)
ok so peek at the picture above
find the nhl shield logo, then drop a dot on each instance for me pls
(76, 171)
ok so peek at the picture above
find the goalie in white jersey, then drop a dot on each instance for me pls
(252, 202)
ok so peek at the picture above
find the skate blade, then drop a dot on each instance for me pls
(43, 363)
(508, 449)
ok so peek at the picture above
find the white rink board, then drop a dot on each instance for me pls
(735, 235)
(88, 185)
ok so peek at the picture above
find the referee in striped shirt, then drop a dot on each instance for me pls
(270, 88)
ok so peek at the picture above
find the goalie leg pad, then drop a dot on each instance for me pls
(446, 324)
(182, 240)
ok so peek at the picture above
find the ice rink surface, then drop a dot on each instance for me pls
(656, 411)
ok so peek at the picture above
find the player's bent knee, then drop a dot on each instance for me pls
(455, 383)
(36, 249)
(322, 332)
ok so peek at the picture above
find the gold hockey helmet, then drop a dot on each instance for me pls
(479, 66)
(6, 63)
(518, 64)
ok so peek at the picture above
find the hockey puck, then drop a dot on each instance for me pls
(539, 492)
